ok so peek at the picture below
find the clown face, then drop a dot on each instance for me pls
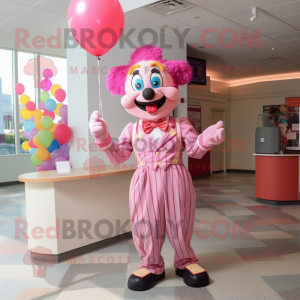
(149, 91)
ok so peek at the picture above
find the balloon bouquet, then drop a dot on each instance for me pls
(48, 141)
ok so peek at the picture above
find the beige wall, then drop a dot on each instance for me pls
(214, 95)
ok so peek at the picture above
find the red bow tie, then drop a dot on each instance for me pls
(148, 126)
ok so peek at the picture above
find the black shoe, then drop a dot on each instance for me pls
(198, 280)
(136, 283)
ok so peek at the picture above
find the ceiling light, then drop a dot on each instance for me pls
(162, 25)
(197, 17)
(273, 48)
(254, 14)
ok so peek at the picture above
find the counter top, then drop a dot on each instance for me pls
(51, 176)
(293, 148)
(278, 155)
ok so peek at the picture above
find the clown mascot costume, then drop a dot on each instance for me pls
(162, 196)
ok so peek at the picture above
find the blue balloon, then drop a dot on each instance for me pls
(50, 105)
(32, 151)
(54, 145)
(29, 125)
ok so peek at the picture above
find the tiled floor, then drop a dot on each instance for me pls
(250, 250)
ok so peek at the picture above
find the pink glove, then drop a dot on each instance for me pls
(98, 128)
(212, 136)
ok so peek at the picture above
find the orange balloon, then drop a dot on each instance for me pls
(42, 154)
(37, 123)
(37, 113)
(37, 143)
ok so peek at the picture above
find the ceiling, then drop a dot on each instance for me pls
(233, 16)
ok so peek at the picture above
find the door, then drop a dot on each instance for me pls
(217, 155)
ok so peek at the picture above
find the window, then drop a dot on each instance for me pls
(26, 72)
(26, 76)
(7, 132)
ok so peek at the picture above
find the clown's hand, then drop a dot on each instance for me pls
(98, 128)
(212, 136)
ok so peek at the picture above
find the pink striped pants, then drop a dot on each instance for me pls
(160, 201)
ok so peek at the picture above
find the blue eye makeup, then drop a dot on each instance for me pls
(137, 83)
(156, 80)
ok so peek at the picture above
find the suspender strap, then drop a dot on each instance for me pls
(175, 159)
(140, 162)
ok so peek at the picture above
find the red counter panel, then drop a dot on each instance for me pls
(277, 178)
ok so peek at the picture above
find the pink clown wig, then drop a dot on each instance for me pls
(180, 70)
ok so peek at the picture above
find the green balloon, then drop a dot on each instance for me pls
(45, 137)
(35, 161)
(47, 122)
(44, 96)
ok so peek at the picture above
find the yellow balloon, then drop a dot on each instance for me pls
(24, 99)
(54, 88)
(51, 129)
(59, 105)
(37, 113)
(25, 113)
(37, 143)
(37, 123)
(26, 146)
(42, 154)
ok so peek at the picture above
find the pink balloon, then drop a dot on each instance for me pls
(60, 95)
(19, 88)
(46, 85)
(40, 169)
(62, 133)
(31, 144)
(47, 73)
(104, 19)
(42, 105)
(61, 121)
(50, 114)
(30, 105)
(32, 118)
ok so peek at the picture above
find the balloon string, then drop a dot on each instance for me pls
(100, 102)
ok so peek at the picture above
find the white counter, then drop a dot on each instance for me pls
(79, 200)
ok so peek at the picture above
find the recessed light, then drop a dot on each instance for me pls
(273, 48)
(162, 25)
(197, 17)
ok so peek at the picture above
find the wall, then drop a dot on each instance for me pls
(245, 103)
(213, 95)
(11, 166)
